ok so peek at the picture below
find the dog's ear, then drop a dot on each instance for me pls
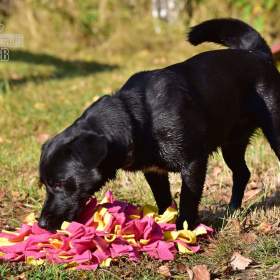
(89, 148)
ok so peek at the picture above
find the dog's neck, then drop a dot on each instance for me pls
(109, 118)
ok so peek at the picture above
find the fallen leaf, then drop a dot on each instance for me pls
(21, 276)
(1, 140)
(250, 194)
(15, 194)
(42, 137)
(234, 225)
(182, 268)
(264, 227)
(249, 237)
(164, 271)
(200, 272)
(238, 262)
(190, 273)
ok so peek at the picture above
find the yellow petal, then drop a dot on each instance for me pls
(56, 243)
(30, 219)
(127, 236)
(144, 241)
(168, 216)
(171, 235)
(185, 225)
(65, 225)
(103, 218)
(110, 237)
(183, 249)
(118, 229)
(5, 242)
(133, 217)
(106, 262)
(32, 261)
(65, 257)
(131, 241)
(149, 210)
(200, 231)
(187, 236)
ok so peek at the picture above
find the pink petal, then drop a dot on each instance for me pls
(100, 255)
(208, 229)
(37, 230)
(13, 257)
(160, 250)
(87, 267)
(17, 248)
(120, 249)
(152, 230)
(167, 227)
(84, 257)
(25, 230)
(82, 245)
(35, 255)
(88, 211)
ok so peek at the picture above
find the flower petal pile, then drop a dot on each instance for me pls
(104, 232)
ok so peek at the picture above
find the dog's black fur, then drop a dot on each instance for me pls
(170, 119)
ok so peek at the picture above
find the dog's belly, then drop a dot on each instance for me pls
(154, 169)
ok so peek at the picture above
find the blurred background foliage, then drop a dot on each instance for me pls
(126, 25)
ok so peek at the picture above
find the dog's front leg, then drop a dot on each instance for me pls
(193, 176)
(160, 186)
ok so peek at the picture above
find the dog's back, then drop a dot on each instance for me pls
(201, 101)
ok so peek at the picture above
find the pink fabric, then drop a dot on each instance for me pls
(127, 232)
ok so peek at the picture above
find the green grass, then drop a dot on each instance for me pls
(44, 90)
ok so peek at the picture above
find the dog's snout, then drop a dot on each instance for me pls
(43, 223)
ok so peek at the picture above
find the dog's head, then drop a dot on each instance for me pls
(70, 170)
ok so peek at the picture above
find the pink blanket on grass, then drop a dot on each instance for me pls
(105, 231)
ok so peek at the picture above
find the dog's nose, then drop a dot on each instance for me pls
(43, 223)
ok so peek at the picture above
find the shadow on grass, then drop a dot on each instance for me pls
(219, 215)
(63, 68)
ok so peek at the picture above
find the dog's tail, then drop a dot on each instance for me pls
(232, 33)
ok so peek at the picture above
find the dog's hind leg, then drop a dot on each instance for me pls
(160, 186)
(268, 114)
(234, 156)
(272, 134)
(193, 177)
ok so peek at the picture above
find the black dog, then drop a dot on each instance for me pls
(170, 119)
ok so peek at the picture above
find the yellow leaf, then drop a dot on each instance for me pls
(106, 262)
(183, 249)
(149, 210)
(32, 261)
(168, 216)
(200, 231)
(5, 242)
(144, 241)
(171, 235)
(57, 244)
(30, 219)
